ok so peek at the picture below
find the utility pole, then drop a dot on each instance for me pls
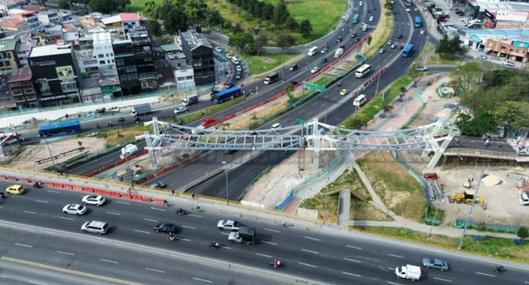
(469, 217)
(49, 150)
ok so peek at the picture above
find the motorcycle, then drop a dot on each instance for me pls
(181, 212)
(172, 236)
(276, 263)
(38, 184)
(499, 269)
(214, 244)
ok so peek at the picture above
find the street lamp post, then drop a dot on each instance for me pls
(227, 187)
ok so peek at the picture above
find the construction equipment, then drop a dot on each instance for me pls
(466, 197)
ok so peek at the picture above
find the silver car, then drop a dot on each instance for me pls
(95, 227)
(435, 263)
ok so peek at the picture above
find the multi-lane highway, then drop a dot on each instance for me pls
(259, 90)
(242, 176)
(316, 253)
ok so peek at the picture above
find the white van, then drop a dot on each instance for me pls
(312, 51)
(364, 27)
(360, 100)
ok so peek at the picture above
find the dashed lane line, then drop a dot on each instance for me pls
(109, 261)
(114, 213)
(42, 201)
(195, 215)
(158, 209)
(270, 242)
(264, 255)
(307, 264)
(202, 280)
(351, 274)
(154, 270)
(189, 227)
(143, 232)
(65, 252)
(394, 255)
(23, 245)
(150, 220)
(312, 238)
(53, 191)
(352, 260)
(122, 202)
(485, 274)
(272, 230)
(352, 246)
(393, 283)
(66, 218)
(310, 251)
(185, 239)
(30, 212)
(443, 279)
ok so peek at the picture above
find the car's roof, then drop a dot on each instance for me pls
(98, 224)
(15, 186)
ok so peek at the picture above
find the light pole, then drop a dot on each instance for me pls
(469, 217)
(227, 187)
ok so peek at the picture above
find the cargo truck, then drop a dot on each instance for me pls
(271, 78)
(128, 150)
(140, 110)
(410, 272)
(244, 235)
(190, 100)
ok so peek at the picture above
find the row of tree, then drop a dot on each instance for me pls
(249, 44)
(493, 97)
(103, 6)
(451, 48)
(278, 15)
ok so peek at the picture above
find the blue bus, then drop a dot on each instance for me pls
(227, 94)
(356, 19)
(60, 129)
(408, 50)
(418, 22)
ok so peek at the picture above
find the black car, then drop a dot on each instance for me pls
(293, 67)
(354, 35)
(158, 185)
(399, 36)
(165, 228)
(324, 60)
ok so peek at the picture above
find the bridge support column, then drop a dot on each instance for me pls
(316, 142)
(152, 152)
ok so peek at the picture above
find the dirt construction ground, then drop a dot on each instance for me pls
(501, 201)
(28, 158)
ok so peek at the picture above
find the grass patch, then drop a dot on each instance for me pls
(327, 206)
(120, 136)
(367, 113)
(362, 211)
(489, 246)
(209, 111)
(260, 64)
(437, 59)
(395, 186)
(381, 35)
(323, 80)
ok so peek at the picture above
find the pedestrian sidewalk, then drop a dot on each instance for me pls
(344, 208)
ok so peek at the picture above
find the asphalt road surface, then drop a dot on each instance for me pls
(317, 254)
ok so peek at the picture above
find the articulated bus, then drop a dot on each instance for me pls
(363, 71)
(59, 129)
(356, 19)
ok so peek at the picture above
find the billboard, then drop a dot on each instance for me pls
(513, 16)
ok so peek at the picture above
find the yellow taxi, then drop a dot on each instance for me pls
(15, 189)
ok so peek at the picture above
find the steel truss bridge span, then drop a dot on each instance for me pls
(313, 136)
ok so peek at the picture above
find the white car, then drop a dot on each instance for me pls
(238, 68)
(314, 69)
(96, 200)
(422, 68)
(228, 225)
(235, 59)
(370, 18)
(524, 198)
(507, 63)
(408, 10)
(276, 125)
(180, 109)
(74, 209)
(218, 49)
(360, 3)
(95, 227)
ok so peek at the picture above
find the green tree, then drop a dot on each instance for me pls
(260, 42)
(175, 21)
(214, 18)
(280, 14)
(291, 23)
(464, 76)
(515, 113)
(305, 28)
(477, 125)
(195, 11)
(151, 9)
(444, 45)
(244, 42)
(155, 27)
(65, 4)
(522, 233)
(285, 40)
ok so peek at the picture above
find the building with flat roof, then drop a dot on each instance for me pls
(477, 38)
(8, 54)
(199, 54)
(55, 74)
(22, 89)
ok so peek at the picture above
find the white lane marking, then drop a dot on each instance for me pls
(53, 191)
(352, 246)
(308, 265)
(352, 260)
(202, 280)
(485, 274)
(351, 274)
(312, 238)
(195, 215)
(23, 245)
(158, 209)
(66, 218)
(263, 255)
(226, 247)
(65, 252)
(109, 261)
(393, 283)
(143, 232)
(150, 220)
(526, 282)
(224, 233)
(310, 251)
(122, 202)
(442, 279)
(30, 212)
(114, 213)
(272, 230)
(396, 256)
(42, 201)
(270, 242)
(189, 227)
(391, 268)
(185, 239)
(154, 270)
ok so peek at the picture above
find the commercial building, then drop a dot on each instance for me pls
(199, 54)
(511, 50)
(55, 75)
(29, 16)
(22, 89)
(8, 54)
(102, 44)
(123, 23)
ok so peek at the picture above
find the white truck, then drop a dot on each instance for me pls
(338, 52)
(191, 99)
(410, 272)
(140, 110)
(128, 150)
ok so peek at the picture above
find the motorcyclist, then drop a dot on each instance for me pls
(214, 244)
(172, 236)
(2, 195)
(499, 268)
(276, 263)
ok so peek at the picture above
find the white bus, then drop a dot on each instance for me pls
(363, 70)
(312, 51)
